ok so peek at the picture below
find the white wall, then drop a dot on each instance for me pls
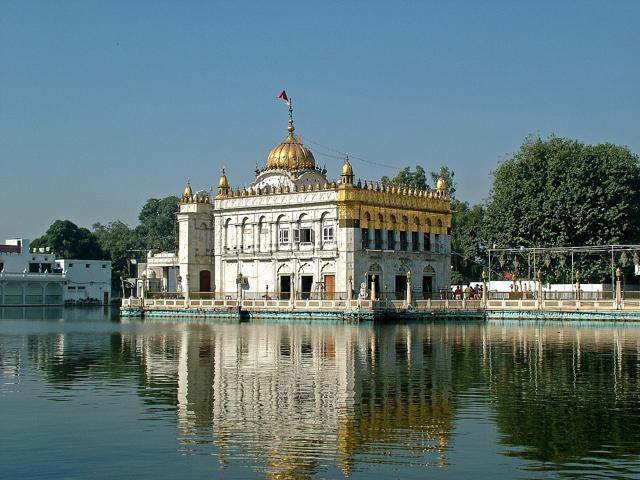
(19, 262)
(86, 279)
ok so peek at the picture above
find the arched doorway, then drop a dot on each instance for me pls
(428, 276)
(205, 281)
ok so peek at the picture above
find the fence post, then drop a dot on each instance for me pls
(539, 298)
(618, 289)
(484, 289)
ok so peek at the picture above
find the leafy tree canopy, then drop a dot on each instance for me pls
(118, 240)
(561, 192)
(469, 255)
(67, 240)
(407, 177)
(157, 229)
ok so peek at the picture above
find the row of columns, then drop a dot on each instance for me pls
(437, 241)
(273, 240)
(23, 285)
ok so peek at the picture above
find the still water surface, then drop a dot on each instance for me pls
(84, 395)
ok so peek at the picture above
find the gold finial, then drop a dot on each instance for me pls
(291, 127)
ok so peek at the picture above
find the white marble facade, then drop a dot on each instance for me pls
(283, 235)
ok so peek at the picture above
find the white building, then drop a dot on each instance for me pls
(33, 276)
(28, 276)
(86, 280)
(295, 231)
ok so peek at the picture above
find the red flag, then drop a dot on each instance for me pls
(283, 96)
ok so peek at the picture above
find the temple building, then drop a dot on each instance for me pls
(295, 232)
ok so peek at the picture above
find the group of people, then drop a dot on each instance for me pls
(470, 293)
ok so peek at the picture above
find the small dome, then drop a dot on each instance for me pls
(187, 190)
(223, 183)
(441, 185)
(347, 169)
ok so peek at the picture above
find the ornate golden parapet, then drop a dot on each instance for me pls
(392, 208)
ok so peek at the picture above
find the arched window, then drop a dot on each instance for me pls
(327, 226)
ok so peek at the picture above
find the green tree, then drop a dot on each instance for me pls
(157, 229)
(469, 253)
(117, 239)
(407, 177)
(67, 240)
(561, 192)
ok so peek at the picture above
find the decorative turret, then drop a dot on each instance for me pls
(187, 194)
(441, 185)
(223, 184)
(347, 173)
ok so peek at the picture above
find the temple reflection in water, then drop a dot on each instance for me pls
(296, 400)
(300, 395)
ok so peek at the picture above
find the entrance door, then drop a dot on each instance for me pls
(105, 300)
(427, 286)
(285, 287)
(205, 281)
(329, 286)
(306, 282)
(401, 287)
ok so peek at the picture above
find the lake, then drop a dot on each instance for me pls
(86, 395)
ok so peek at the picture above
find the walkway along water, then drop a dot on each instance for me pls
(358, 310)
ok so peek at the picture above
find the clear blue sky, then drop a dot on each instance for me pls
(105, 104)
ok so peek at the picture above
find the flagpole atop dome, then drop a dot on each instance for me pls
(291, 127)
(283, 96)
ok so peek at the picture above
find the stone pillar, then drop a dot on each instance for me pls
(539, 295)
(409, 289)
(239, 238)
(256, 236)
(485, 294)
(317, 232)
(292, 297)
(373, 287)
(349, 290)
(577, 289)
(273, 237)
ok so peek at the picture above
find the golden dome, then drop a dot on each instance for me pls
(187, 190)
(291, 154)
(347, 169)
(441, 185)
(223, 183)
